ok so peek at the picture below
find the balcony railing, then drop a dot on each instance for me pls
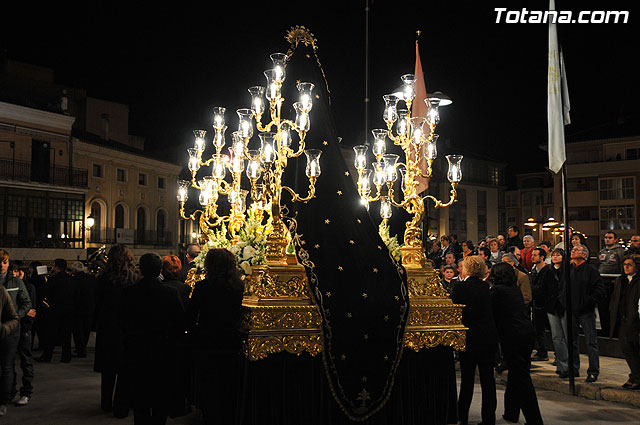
(60, 176)
(148, 237)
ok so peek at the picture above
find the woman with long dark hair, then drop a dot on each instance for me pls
(119, 273)
(517, 336)
(214, 315)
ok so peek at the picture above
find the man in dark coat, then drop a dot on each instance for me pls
(587, 290)
(514, 238)
(85, 290)
(482, 338)
(625, 319)
(152, 319)
(61, 299)
(193, 250)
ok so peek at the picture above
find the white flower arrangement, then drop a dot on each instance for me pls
(390, 241)
(250, 247)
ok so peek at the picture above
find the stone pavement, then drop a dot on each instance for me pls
(69, 394)
(613, 373)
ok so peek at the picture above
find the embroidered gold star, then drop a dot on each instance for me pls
(397, 298)
(349, 315)
(327, 221)
(325, 143)
(379, 247)
(352, 242)
(302, 242)
(297, 81)
(364, 295)
(346, 173)
(317, 96)
(386, 358)
(316, 246)
(386, 318)
(375, 270)
(328, 294)
(364, 379)
(339, 193)
(359, 221)
(340, 268)
(343, 357)
(366, 336)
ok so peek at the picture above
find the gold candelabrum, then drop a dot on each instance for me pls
(433, 318)
(279, 314)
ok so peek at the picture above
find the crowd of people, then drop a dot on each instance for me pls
(162, 345)
(149, 327)
(514, 289)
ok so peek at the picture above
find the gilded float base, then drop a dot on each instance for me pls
(433, 318)
(279, 314)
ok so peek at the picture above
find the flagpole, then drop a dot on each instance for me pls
(567, 279)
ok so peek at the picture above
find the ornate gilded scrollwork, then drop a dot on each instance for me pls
(263, 284)
(259, 347)
(285, 317)
(429, 339)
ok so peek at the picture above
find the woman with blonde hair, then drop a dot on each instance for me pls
(482, 339)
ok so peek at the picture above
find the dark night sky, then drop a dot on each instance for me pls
(171, 63)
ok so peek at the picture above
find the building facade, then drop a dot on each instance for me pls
(67, 157)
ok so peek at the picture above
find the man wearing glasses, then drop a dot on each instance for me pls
(610, 258)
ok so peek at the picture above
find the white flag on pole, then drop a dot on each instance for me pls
(555, 112)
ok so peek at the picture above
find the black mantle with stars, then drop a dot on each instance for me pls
(361, 293)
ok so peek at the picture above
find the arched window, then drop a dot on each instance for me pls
(161, 224)
(140, 225)
(119, 222)
(96, 213)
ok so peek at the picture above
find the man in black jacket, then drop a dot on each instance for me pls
(84, 286)
(514, 238)
(62, 302)
(193, 251)
(587, 290)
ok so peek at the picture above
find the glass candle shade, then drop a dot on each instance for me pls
(236, 161)
(194, 159)
(245, 124)
(364, 182)
(238, 200)
(408, 87)
(433, 113)
(379, 177)
(306, 95)
(431, 151)
(455, 168)
(199, 140)
(218, 137)
(360, 160)
(404, 175)
(302, 117)
(206, 190)
(258, 196)
(379, 145)
(257, 99)
(254, 168)
(313, 163)
(385, 208)
(389, 166)
(183, 190)
(402, 125)
(272, 91)
(237, 143)
(279, 63)
(218, 166)
(218, 117)
(268, 148)
(285, 134)
(417, 130)
(390, 113)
